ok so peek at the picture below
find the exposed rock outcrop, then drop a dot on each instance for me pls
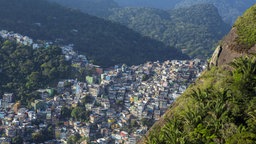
(230, 49)
(215, 56)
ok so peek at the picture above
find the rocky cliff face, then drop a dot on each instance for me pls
(241, 40)
(229, 49)
(215, 56)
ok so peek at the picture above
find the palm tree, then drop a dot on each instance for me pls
(172, 133)
(245, 65)
(244, 73)
(153, 138)
(201, 96)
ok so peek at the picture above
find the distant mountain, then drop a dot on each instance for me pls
(92, 7)
(105, 42)
(220, 106)
(195, 29)
(161, 4)
(228, 9)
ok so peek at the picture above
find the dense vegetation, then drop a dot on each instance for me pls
(181, 29)
(228, 9)
(24, 70)
(195, 30)
(104, 42)
(219, 108)
(246, 27)
(78, 113)
(93, 7)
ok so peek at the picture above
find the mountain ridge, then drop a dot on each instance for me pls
(196, 29)
(220, 106)
(228, 9)
(96, 7)
(105, 42)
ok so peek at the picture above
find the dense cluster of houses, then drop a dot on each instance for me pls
(71, 55)
(24, 40)
(144, 92)
(67, 50)
(123, 97)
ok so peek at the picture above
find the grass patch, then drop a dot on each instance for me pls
(246, 28)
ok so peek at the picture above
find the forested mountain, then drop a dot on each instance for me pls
(228, 9)
(221, 106)
(176, 27)
(93, 7)
(195, 30)
(105, 42)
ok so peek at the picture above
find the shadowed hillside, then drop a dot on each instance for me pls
(105, 42)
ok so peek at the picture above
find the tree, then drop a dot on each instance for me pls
(73, 139)
(33, 80)
(242, 136)
(24, 69)
(244, 74)
(87, 99)
(65, 112)
(38, 137)
(80, 113)
(17, 140)
(145, 77)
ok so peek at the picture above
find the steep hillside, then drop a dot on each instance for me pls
(105, 42)
(24, 69)
(229, 9)
(93, 7)
(246, 28)
(195, 30)
(221, 106)
(241, 40)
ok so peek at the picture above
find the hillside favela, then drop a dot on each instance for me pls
(127, 72)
